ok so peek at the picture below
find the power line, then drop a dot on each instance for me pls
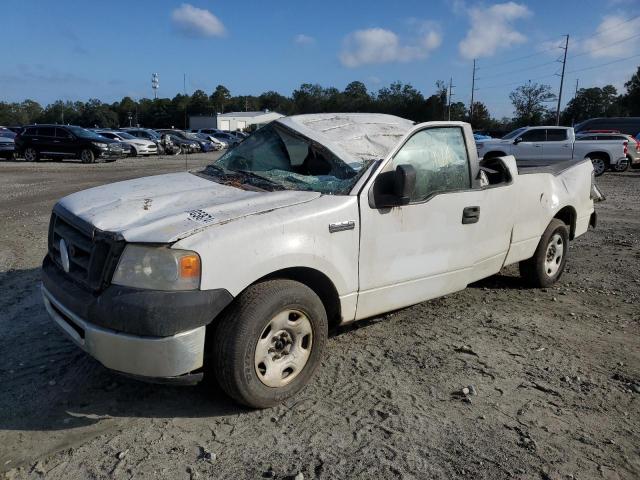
(519, 70)
(519, 82)
(521, 58)
(606, 46)
(604, 64)
(615, 26)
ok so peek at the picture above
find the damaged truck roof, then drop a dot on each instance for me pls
(353, 137)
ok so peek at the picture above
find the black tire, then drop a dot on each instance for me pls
(622, 166)
(536, 270)
(133, 152)
(239, 330)
(30, 154)
(87, 156)
(600, 165)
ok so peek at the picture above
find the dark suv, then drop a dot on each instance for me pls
(65, 141)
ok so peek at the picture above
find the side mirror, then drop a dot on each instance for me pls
(517, 140)
(395, 188)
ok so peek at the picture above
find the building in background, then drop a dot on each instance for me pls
(233, 120)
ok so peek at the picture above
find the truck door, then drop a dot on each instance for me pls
(421, 250)
(528, 146)
(557, 146)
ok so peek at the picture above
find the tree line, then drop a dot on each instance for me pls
(533, 103)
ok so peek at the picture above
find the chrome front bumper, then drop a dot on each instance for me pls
(158, 357)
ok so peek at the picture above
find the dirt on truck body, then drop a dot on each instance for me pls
(496, 381)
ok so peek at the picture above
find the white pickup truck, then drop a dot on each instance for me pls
(239, 270)
(554, 144)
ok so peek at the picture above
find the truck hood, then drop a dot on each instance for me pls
(166, 208)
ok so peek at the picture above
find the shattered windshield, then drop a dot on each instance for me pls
(276, 158)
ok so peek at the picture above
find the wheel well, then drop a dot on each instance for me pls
(568, 216)
(319, 283)
(603, 155)
(494, 153)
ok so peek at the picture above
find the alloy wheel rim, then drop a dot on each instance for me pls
(283, 348)
(555, 252)
(86, 157)
(598, 165)
(29, 155)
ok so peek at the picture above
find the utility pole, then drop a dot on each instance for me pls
(449, 98)
(564, 64)
(184, 89)
(577, 82)
(473, 89)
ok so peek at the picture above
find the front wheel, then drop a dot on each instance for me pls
(548, 262)
(267, 346)
(87, 156)
(31, 154)
(599, 166)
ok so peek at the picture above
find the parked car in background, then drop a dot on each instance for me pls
(66, 141)
(481, 136)
(7, 145)
(215, 143)
(633, 147)
(628, 125)
(202, 145)
(187, 145)
(228, 138)
(554, 144)
(139, 146)
(146, 134)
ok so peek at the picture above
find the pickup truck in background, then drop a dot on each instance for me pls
(238, 271)
(555, 144)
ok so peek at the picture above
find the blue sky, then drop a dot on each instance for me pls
(75, 50)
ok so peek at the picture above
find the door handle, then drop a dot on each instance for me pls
(470, 215)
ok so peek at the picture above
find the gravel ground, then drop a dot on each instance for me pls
(555, 372)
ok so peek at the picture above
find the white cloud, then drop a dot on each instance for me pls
(610, 38)
(492, 30)
(377, 45)
(197, 22)
(302, 39)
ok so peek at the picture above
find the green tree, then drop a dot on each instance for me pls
(591, 102)
(631, 99)
(220, 97)
(275, 102)
(481, 118)
(529, 103)
(356, 98)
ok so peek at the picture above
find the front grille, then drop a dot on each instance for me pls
(93, 254)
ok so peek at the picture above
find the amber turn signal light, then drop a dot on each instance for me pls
(189, 266)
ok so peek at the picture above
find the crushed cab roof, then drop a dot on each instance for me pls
(353, 137)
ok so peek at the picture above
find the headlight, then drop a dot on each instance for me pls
(158, 268)
(104, 146)
(195, 145)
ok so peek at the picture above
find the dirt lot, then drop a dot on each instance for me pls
(557, 373)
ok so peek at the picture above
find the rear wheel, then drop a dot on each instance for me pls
(599, 165)
(87, 156)
(622, 166)
(31, 154)
(548, 262)
(267, 346)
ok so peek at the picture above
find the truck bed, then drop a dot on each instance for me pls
(546, 166)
